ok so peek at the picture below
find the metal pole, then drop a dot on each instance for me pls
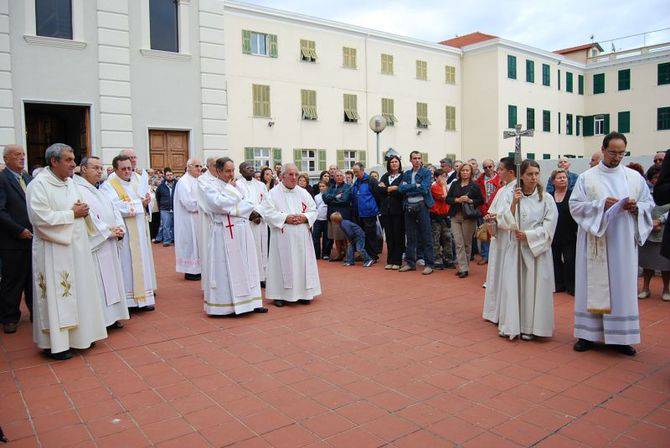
(517, 162)
(378, 159)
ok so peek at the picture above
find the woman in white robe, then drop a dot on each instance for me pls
(534, 292)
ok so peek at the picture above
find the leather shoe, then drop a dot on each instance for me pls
(278, 303)
(62, 356)
(627, 350)
(192, 277)
(582, 345)
(148, 308)
(305, 301)
(260, 309)
(9, 328)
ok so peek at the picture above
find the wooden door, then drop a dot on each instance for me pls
(168, 148)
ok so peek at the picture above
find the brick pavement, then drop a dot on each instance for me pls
(381, 359)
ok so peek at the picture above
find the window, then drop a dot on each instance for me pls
(530, 155)
(663, 118)
(422, 70)
(164, 25)
(53, 18)
(624, 80)
(530, 118)
(388, 111)
(350, 109)
(664, 73)
(262, 157)
(261, 100)
(306, 159)
(546, 75)
(511, 116)
(546, 156)
(424, 158)
(308, 104)
(347, 157)
(568, 124)
(450, 74)
(451, 118)
(558, 128)
(348, 57)
(598, 83)
(387, 64)
(601, 124)
(580, 84)
(568, 82)
(578, 124)
(623, 119)
(546, 121)
(259, 44)
(307, 50)
(559, 80)
(422, 115)
(530, 71)
(511, 66)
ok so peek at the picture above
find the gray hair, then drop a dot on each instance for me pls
(85, 160)
(55, 151)
(447, 161)
(285, 167)
(9, 148)
(360, 165)
(211, 161)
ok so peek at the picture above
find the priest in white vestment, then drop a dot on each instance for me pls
(290, 211)
(232, 285)
(526, 307)
(187, 222)
(612, 207)
(205, 217)
(67, 305)
(255, 191)
(500, 238)
(139, 276)
(104, 242)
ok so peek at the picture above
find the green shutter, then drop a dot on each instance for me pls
(580, 84)
(546, 121)
(558, 128)
(322, 159)
(511, 154)
(546, 156)
(340, 158)
(530, 155)
(624, 79)
(511, 116)
(623, 122)
(577, 124)
(588, 126)
(248, 154)
(272, 43)
(568, 82)
(546, 75)
(530, 118)
(530, 70)
(598, 83)
(276, 155)
(362, 157)
(559, 80)
(246, 41)
(663, 118)
(606, 124)
(511, 66)
(297, 158)
(568, 124)
(664, 73)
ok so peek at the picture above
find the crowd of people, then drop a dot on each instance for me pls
(80, 239)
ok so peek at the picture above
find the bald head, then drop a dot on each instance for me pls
(130, 153)
(194, 167)
(14, 157)
(289, 175)
(595, 159)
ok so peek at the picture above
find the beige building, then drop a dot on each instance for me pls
(184, 78)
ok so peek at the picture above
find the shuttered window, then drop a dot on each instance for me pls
(450, 74)
(308, 104)
(310, 160)
(450, 114)
(348, 57)
(346, 158)
(259, 44)
(387, 64)
(664, 73)
(623, 122)
(422, 115)
(663, 118)
(546, 75)
(422, 70)
(511, 66)
(624, 80)
(388, 111)
(568, 124)
(580, 84)
(307, 50)
(530, 118)
(511, 116)
(530, 70)
(262, 157)
(424, 158)
(350, 108)
(546, 121)
(598, 83)
(568, 82)
(261, 100)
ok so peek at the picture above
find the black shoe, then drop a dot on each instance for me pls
(450, 265)
(156, 242)
(9, 328)
(305, 301)
(462, 274)
(627, 350)
(192, 277)
(263, 285)
(3, 439)
(278, 303)
(148, 308)
(582, 345)
(439, 266)
(261, 310)
(117, 324)
(62, 356)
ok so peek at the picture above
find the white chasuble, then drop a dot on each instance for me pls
(606, 265)
(292, 270)
(187, 226)
(202, 184)
(497, 248)
(232, 284)
(106, 251)
(67, 302)
(535, 293)
(255, 192)
(139, 275)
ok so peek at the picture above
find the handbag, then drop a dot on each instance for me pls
(482, 233)
(469, 211)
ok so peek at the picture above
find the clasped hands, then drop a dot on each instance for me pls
(80, 209)
(255, 217)
(463, 199)
(630, 205)
(296, 219)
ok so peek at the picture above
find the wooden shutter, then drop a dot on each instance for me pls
(362, 157)
(530, 118)
(246, 41)
(424, 158)
(624, 79)
(340, 158)
(599, 83)
(568, 82)
(588, 126)
(546, 121)
(580, 84)
(272, 44)
(450, 74)
(276, 156)
(511, 66)
(558, 79)
(422, 70)
(623, 124)
(606, 124)
(546, 75)
(511, 116)
(546, 156)
(322, 159)
(248, 154)
(297, 158)
(663, 74)
(450, 115)
(530, 70)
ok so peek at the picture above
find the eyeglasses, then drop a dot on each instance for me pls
(619, 154)
(488, 166)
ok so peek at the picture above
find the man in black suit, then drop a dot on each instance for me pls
(16, 243)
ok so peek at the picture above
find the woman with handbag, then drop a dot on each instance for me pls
(464, 198)
(391, 212)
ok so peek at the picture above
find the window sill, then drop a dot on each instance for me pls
(159, 54)
(54, 42)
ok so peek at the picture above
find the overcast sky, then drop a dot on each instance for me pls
(549, 25)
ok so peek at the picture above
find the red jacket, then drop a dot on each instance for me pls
(441, 207)
(495, 181)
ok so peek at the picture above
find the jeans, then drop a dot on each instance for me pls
(485, 250)
(322, 244)
(166, 230)
(358, 245)
(369, 226)
(419, 234)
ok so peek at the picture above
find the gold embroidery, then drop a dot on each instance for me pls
(65, 283)
(41, 282)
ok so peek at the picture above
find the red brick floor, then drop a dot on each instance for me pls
(381, 359)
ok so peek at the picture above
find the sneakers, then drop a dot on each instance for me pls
(666, 297)
(427, 271)
(420, 262)
(388, 267)
(644, 295)
(347, 264)
(527, 337)
(395, 267)
(368, 263)
(407, 268)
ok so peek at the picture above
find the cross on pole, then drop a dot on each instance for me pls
(517, 133)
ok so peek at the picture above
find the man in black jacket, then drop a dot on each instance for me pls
(662, 196)
(15, 244)
(165, 200)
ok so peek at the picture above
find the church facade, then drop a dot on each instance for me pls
(177, 79)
